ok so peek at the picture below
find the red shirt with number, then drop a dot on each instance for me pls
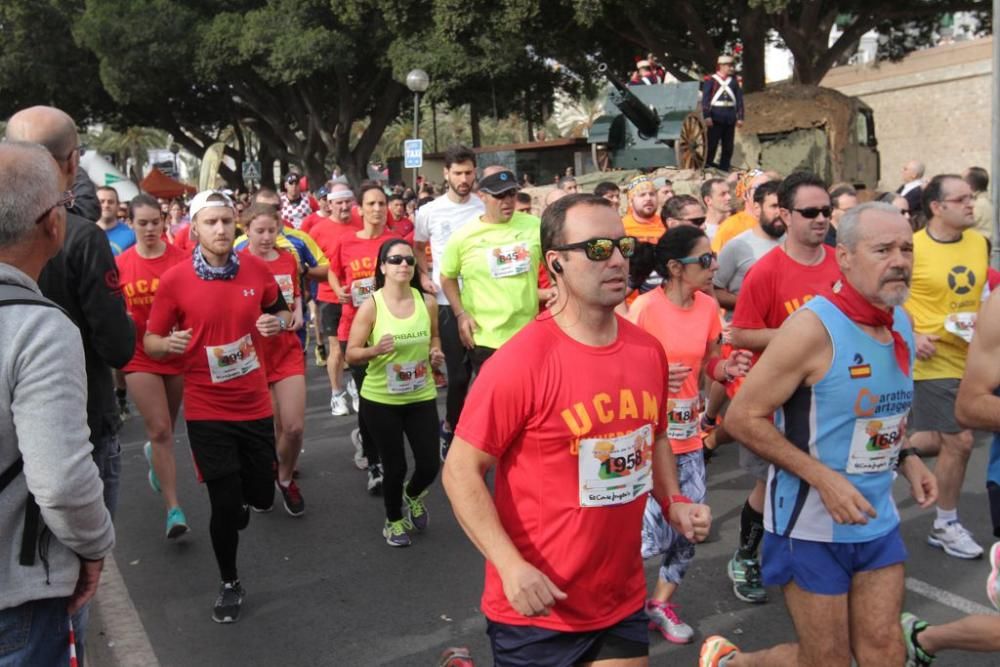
(282, 354)
(328, 234)
(223, 378)
(140, 279)
(353, 263)
(573, 429)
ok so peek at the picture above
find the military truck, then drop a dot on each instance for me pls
(792, 127)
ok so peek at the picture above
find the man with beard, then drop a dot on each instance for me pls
(780, 283)
(435, 223)
(833, 541)
(746, 248)
(643, 219)
(745, 218)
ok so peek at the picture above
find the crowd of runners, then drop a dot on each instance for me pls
(595, 350)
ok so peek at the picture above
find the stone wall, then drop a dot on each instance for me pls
(933, 106)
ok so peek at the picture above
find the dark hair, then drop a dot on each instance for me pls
(263, 192)
(676, 205)
(383, 252)
(554, 217)
(108, 188)
(790, 186)
(676, 243)
(370, 185)
(761, 192)
(459, 153)
(934, 192)
(523, 197)
(841, 190)
(424, 200)
(604, 187)
(142, 199)
(257, 210)
(398, 198)
(706, 187)
(978, 179)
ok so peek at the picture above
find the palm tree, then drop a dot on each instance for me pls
(130, 147)
(574, 117)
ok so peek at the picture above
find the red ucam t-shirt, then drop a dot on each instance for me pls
(224, 379)
(573, 427)
(328, 234)
(354, 265)
(776, 286)
(140, 279)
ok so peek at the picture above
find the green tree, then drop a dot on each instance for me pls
(129, 147)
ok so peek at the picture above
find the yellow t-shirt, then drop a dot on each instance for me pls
(732, 227)
(948, 280)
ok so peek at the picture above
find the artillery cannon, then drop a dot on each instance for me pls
(644, 127)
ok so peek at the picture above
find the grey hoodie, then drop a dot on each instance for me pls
(43, 419)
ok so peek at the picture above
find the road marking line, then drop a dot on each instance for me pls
(947, 598)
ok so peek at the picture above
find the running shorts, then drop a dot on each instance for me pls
(283, 358)
(220, 448)
(933, 406)
(329, 318)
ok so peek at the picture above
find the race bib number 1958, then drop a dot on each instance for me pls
(615, 471)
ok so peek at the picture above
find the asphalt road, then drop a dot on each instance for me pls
(325, 589)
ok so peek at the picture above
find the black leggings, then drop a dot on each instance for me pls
(359, 373)
(387, 424)
(456, 359)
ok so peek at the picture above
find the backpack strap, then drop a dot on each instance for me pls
(17, 295)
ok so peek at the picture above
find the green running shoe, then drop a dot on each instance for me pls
(176, 523)
(747, 584)
(395, 533)
(915, 655)
(417, 510)
(154, 482)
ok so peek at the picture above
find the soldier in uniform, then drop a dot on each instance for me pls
(722, 107)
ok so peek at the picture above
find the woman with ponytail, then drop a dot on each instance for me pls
(686, 322)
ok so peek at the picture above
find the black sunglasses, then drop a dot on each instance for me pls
(399, 259)
(814, 212)
(697, 222)
(704, 260)
(600, 249)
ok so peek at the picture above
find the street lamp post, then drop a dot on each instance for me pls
(417, 81)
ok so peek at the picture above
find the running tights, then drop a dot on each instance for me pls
(387, 425)
(229, 497)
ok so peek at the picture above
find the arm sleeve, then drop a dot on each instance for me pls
(94, 275)
(751, 304)
(48, 405)
(728, 263)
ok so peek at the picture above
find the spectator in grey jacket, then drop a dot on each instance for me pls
(49, 573)
(83, 279)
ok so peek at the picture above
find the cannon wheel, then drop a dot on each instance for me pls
(600, 157)
(692, 145)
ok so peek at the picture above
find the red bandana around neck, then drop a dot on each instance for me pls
(860, 310)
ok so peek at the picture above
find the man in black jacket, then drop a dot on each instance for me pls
(83, 279)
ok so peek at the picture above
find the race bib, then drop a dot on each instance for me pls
(406, 376)
(509, 260)
(287, 287)
(616, 471)
(361, 289)
(682, 418)
(961, 324)
(232, 360)
(875, 444)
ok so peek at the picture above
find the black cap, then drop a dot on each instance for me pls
(498, 183)
(292, 177)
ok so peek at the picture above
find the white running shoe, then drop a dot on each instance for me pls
(955, 540)
(338, 404)
(360, 460)
(352, 391)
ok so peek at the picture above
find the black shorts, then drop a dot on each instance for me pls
(529, 646)
(329, 318)
(221, 448)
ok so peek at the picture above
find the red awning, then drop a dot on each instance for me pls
(159, 184)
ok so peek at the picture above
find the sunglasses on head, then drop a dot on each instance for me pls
(410, 260)
(600, 249)
(704, 260)
(813, 212)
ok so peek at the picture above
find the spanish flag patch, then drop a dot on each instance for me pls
(862, 371)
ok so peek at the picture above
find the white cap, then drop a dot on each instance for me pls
(201, 201)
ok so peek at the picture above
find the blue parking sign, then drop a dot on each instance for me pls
(413, 153)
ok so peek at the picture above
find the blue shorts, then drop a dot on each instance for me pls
(529, 646)
(826, 568)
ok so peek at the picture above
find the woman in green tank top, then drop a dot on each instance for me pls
(396, 334)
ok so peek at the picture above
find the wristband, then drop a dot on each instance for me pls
(904, 452)
(712, 364)
(675, 499)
